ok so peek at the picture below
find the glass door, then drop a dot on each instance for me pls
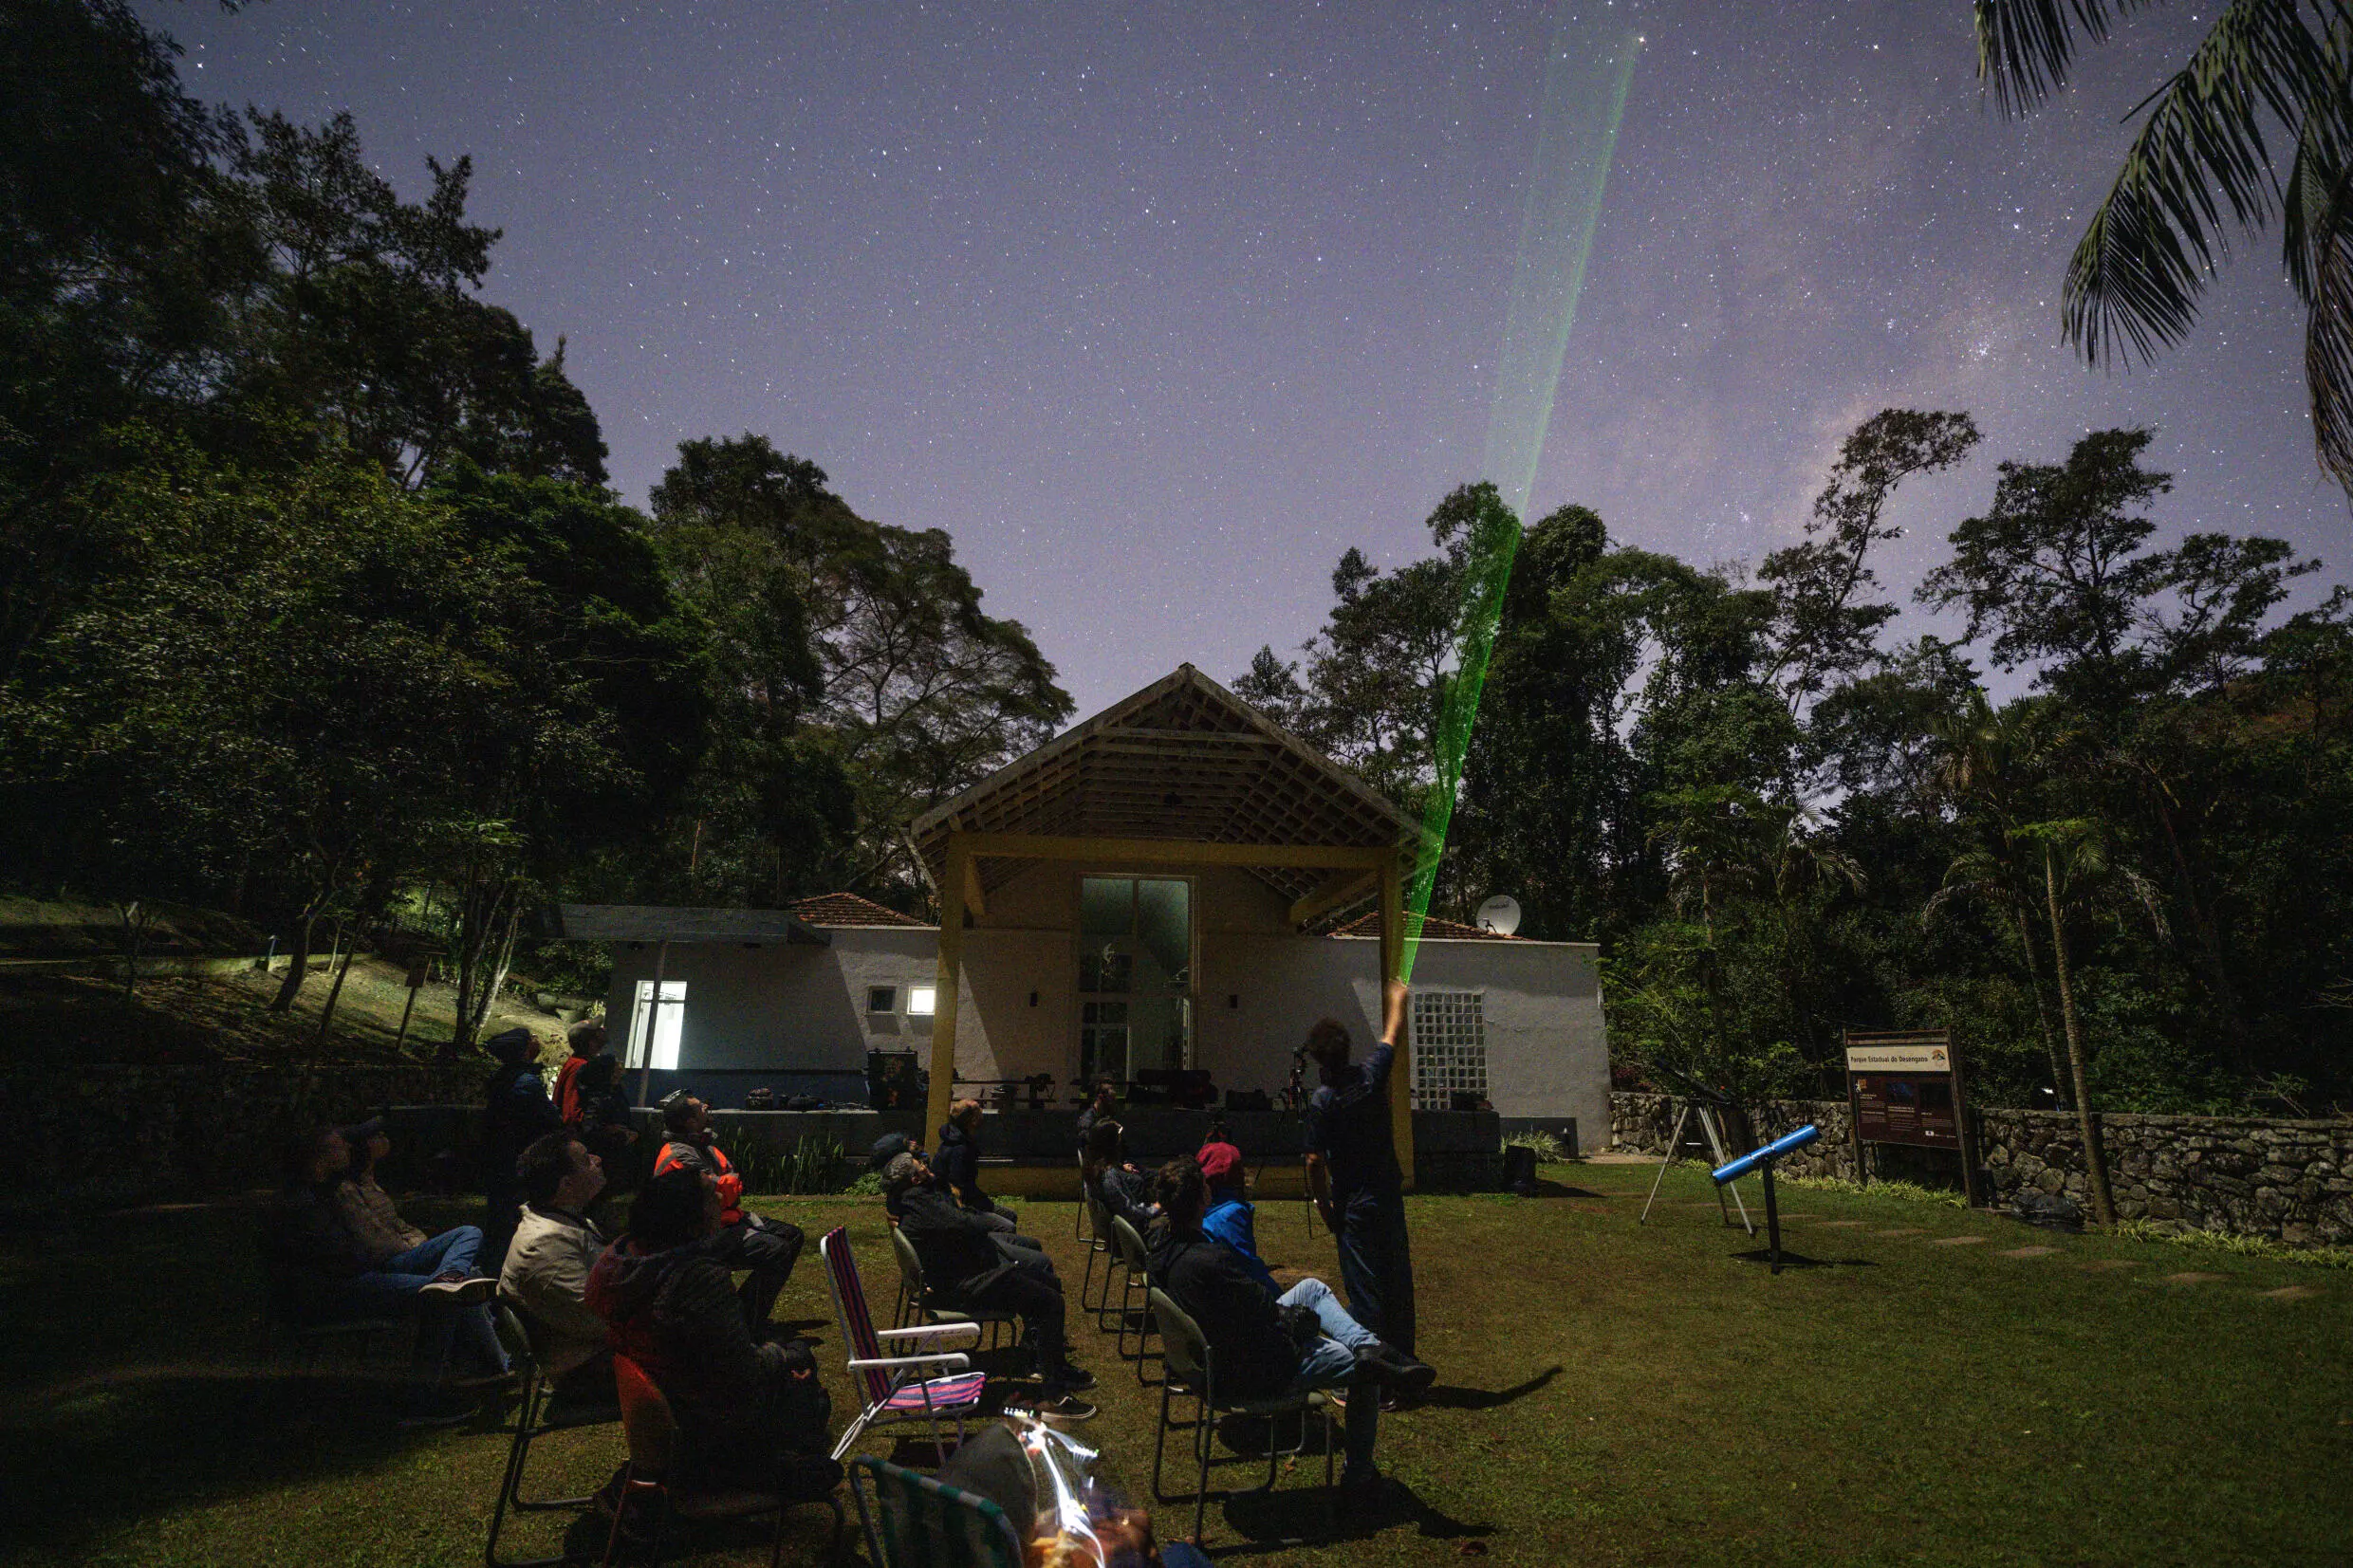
(1134, 975)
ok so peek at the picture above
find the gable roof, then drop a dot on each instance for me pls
(848, 909)
(1183, 759)
(1429, 928)
(663, 923)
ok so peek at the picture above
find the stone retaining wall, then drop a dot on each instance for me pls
(105, 1135)
(2292, 1181)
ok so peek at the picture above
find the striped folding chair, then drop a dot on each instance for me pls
(923, 1386)
(918, 1523)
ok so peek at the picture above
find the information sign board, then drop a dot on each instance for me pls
(1906, 1088)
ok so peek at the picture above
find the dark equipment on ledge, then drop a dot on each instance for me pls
(1761, 1161)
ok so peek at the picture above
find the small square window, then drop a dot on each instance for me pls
(920, 1000)
(881, 999)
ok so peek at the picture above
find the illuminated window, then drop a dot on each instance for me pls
(1450, 1048)
(666, 1026)
(921, 1000)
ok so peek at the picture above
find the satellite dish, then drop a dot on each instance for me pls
(1500, 915)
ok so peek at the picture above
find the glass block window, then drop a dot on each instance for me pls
(1450, 1048)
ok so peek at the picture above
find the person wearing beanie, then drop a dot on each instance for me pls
(518, 1112)
(966, 1268)
(767, 1247)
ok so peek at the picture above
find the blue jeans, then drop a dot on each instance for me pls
(1331, 1362)
(391, 1289)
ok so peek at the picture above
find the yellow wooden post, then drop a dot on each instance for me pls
(1392, 966)
(944, 998)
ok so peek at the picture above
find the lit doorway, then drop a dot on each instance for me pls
(1134, 975)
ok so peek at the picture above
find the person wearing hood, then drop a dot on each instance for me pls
(767, 1247)
(1265, 1345)
(516, 1111)
(964, 1266)
(746, 1408)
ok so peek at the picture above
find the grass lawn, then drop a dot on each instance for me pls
(1608, 1393)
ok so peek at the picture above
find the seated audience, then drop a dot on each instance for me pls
(587, 1038)
(324, 1273)
(546, 1277)
(746, 1408)
(1123, 1190)
(1226, 1216)
(957, 1164)
(366, 1208)
(1261, 1345)
(516, 1111)
(767, 1247)
(1104, 1105)
(964, 1267)
(608, 1123)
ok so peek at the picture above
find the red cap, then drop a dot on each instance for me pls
(1219, 1163)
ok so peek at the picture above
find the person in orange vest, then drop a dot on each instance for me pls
(767, 1247)
(586, 1037)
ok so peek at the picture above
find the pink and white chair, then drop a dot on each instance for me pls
(925, 1385)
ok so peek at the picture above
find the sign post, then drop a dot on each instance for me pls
(1905, 1086)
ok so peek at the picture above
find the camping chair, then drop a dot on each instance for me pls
(915, 1300)
(308, 1345)
(653, 1436)
(927, 1523)
(538, 1415)
(894, 1388)
(1192, 1369)
(1131, 1245)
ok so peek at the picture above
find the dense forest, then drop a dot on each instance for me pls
(2128, 883)
(315, 606)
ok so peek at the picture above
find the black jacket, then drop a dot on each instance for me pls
(1250, 1355)
(957, 1167)
(957, 1249)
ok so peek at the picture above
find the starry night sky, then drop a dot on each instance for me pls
(1156, 308)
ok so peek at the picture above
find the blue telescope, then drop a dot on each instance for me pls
(1787, 1143)
(1762, 1161)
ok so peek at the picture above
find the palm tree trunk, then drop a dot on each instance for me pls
(2042, 1009)
(2095, 1161)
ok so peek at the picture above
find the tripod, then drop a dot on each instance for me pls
(1710, 1128)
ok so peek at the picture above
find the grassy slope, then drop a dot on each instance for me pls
(226, 1018)
(1609, 1395)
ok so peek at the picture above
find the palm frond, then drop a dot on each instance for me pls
(2133, 282)
(2027, 47)
(2317, 241)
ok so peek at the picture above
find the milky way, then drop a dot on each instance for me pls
(1158, 308)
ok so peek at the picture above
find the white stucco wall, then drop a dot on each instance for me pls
(784, 1008)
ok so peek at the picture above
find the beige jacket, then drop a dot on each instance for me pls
(366, 1211)
(546, 1275)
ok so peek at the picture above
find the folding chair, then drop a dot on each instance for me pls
(1100, 1222)
(915, 1300)
(893, 1387)
(919, 1522)
(653, 1436)
(1192, 1369)
(1079, 1216)
(538, 1415)
(1131, 1248)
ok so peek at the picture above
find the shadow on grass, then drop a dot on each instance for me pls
(1798, 1259)
(133, 1446)
(1447, 1397)
(1290, 1517)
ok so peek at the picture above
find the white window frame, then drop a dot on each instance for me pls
(1450, 1047)
(889, 1007)
(922, 1001)
(669, 1025)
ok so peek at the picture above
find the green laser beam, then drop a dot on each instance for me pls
(1587, 77)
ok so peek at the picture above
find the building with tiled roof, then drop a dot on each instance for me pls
(848, 909)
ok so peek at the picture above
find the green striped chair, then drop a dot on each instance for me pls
(918, 1523)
